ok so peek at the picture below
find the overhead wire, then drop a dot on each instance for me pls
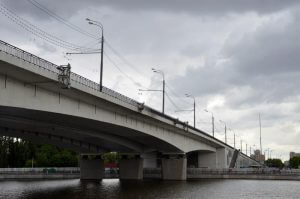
(60, 19)
(121, 71)
(124, 60)
(37, 31)
(176, 95)
(172, 102)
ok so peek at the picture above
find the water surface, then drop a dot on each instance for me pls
(206, 189)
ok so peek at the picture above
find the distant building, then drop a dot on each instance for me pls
(293, 154)
(258, 156)
(286, 163)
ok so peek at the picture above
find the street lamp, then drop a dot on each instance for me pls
(233, 137)
(97, 23)
(225, 131)
(212, 122)
(188, 95)
(163, 76)
(241, 146)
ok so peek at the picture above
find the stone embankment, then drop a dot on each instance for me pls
(39, 173)
(155, 173)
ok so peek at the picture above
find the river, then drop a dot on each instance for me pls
(113, 188)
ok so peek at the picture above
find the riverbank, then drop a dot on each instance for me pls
(153, 173)
(39, 173)
(38, 176)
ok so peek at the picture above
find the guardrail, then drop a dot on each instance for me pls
(44, 64)
(39, 170)
(248, 171)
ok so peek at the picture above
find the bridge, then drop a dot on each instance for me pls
(46, 103)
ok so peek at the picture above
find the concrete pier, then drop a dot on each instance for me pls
(91, 167)
(131, 169)
(174, 168)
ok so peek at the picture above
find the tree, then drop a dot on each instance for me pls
(295, 162)
(275, 163)
(20, 153)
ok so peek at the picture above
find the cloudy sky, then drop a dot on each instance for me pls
(238, 58)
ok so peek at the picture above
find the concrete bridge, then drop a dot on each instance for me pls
(38, 102)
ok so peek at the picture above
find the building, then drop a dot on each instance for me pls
(293, 154)
(258, 156)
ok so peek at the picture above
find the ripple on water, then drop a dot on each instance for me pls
(202, 189)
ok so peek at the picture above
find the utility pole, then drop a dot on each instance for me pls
(241, 146)
(234, 139)
(194, 109)
(260, 133)
(97, 23)
(213, 125)
(225, 134)
(101, 64)
(164, 87)
(194, 113)
(246, 149)
(225, 131)
(212, 122)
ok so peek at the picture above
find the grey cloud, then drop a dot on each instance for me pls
(195, 7)
(266, 60)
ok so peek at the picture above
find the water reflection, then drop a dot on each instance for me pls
(113, 188)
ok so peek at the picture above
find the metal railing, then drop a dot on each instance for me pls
(44, 64)
(47, 170)
(247, 171)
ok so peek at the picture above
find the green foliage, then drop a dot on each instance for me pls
(19, 153)
(277, 163)
(295, 162)
(111, 157)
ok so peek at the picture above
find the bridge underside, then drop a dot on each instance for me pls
(83, 134)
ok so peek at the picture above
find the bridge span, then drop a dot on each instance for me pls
(37, 103)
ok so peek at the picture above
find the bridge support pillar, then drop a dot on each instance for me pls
(131, 168)
(150, 160)
(174, 167)
(91, 167)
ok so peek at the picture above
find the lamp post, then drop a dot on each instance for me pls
(241, 146)
(188, 95)
(233, 137)
(212, 122)
(97, 23)
(225, 131)
(164, 85)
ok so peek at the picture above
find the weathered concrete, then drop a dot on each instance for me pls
(131, 169)
(150, 160)
(174, 169)
(91, 169)
(207, 159)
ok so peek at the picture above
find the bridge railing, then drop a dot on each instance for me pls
(27, 57)
(42, 63)
(243, 171)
